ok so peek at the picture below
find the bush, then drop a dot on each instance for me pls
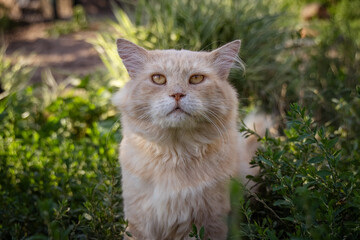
(59, 174)
(309, 185)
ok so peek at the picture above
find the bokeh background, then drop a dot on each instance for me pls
(59, 174)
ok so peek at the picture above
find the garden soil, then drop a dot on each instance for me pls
(66, 55)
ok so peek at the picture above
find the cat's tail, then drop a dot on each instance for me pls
(248, 144)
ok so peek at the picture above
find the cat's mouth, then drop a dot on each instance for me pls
(176, 110)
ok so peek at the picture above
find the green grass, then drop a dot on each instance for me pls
(59, 174)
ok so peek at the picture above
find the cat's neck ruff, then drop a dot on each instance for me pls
(203, 135)
(160, 161)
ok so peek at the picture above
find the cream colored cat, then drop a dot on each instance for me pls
(181, 142)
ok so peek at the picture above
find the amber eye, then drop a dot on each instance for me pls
(195, 79)
(158, 79)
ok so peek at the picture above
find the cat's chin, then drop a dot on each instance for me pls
(177, 118)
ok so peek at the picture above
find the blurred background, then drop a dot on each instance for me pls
(59, 175)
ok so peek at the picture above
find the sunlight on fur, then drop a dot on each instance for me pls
(181, 143)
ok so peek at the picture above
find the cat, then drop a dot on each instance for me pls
(180, 143)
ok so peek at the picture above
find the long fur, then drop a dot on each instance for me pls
(176, 165)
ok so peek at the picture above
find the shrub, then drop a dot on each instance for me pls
(59, 174)
(309, 185)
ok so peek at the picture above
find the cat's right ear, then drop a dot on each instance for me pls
(132, 55)
(225, 56)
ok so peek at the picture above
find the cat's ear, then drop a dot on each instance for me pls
(132, 55)
(225, 56)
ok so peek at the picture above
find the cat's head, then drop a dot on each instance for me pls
(177, 88)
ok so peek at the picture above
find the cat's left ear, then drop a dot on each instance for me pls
(225, 56)
(132, 55)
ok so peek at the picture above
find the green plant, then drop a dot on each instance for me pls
(198, 235)
(59, 174)
(13, 76)
(6, 23)
(309, 185)
(78, 22)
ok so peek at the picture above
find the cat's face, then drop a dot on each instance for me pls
(177, 89)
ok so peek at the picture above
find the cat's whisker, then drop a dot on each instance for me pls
(218, 119)
(216, 126)
(215, 104)
(142, 113)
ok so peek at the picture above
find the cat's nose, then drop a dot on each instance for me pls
(177, 96)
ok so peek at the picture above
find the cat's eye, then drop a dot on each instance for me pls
(158, 79)
(196, 79)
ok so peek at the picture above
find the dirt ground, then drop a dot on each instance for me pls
(69, 54)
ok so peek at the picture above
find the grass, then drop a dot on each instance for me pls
(59, 174)
(77, 23)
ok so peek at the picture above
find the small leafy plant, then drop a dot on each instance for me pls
(197, 235)
(308, 185)
(59, 174)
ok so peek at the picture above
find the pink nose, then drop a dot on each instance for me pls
(177, 96)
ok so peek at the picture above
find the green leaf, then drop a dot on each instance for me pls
(267, 162)
(301, 190)
(332, 142)
(324, 173)
(193, 233)
(278, 155)
(202, 233)
(289, 218)
(276, 188)
(282, 203)
(317, 159)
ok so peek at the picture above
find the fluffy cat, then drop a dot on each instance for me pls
(180, 141)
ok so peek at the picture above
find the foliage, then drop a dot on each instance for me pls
(13, 76)
(309, 185)
(78, 22)
(5, 22)
(198, 235)
(59, 174)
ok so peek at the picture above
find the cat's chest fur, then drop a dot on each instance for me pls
(172, 188)
(176, 165)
